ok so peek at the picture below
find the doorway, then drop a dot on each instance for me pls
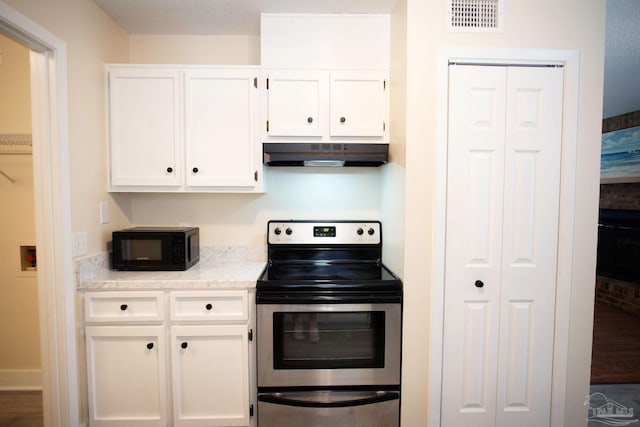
(20, 373)
(52, 215)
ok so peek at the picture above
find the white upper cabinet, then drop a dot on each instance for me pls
(220, 127)
(358, 104)
(296, 103)
(183, 128)
(326, 106)
(144, 124)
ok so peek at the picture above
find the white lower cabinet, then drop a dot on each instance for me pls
(210, 375)
(126, 375)
(207, 359)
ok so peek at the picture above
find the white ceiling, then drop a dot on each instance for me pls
(622, 54)
(221, 16)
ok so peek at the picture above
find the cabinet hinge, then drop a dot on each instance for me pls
(267, 84)
(251, 410)
(255, 176)
(267, 125)
(255, 82)
(384, 85)
(251, 331)
(384, 126)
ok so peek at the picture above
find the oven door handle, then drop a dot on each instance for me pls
(329, 399)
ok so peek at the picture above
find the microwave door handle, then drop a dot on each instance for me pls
(366, 399)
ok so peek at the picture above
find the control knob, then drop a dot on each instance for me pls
(371, 231)
(288, 231)
(360, 231)
(277, 231)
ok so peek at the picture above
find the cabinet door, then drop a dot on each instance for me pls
(358, 104)
(297, 103)
(144, 126)
(220, 127)
(210, 375)
(126, 375)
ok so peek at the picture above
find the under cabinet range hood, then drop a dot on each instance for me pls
(324, 154)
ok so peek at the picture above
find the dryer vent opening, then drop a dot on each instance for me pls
(475, 16)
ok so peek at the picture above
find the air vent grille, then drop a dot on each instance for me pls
(475, 16)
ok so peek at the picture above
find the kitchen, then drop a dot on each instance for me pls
(417, 32)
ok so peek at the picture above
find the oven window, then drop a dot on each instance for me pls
(328, 340)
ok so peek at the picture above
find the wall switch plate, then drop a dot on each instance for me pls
(104, 213)
(79, 243)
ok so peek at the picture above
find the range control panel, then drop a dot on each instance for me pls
(330, 232)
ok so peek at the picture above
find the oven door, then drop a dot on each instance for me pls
(319, 345)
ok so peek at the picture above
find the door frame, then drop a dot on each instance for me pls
(569, 59)
(52, 197)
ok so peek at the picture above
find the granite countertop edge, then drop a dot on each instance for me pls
(219, 275)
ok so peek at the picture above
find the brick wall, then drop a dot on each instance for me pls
(615, 293)
(620, 196)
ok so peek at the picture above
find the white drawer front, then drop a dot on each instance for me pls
(209, 305)
(141, 306)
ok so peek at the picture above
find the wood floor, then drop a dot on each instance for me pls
(21, 409)
(616, 347)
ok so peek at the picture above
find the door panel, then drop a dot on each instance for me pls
(502, 231)
(531, 201)
(474, 230)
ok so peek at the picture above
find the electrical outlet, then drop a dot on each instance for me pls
(79, 243)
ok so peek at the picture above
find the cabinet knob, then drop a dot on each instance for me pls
(150, 345)
(309, 119)
(184, 345)
(195, 170)
(123, 307)
(208, 307)
(479, 284)
(169, 169)
(343, 119)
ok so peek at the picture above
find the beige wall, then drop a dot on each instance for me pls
(18, 289)
(193, 49)
(15, 105)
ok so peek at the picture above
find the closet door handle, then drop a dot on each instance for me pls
(479, 284)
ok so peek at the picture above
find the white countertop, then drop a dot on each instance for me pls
(224, 274)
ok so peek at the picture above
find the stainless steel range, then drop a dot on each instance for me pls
(329, 321)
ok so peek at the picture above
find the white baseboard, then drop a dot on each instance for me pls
(20, 380)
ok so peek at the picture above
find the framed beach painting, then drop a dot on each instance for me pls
(620, 157)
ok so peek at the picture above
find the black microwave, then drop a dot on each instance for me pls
(155, 248)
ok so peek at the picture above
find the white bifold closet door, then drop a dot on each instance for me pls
(503, 189)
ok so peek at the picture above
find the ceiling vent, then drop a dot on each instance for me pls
(475, 16)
